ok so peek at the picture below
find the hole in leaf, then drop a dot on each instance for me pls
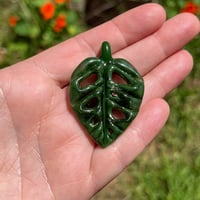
(89, 80)
(92, 103)
(95, 120)
(110, 130)
(118, 114)
(118, 79)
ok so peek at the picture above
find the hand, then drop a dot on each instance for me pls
(45, 152)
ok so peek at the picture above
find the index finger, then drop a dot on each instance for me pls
(59, 62)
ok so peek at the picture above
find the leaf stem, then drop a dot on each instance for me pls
(106, 54)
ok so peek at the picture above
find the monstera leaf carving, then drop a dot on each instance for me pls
(105, 94)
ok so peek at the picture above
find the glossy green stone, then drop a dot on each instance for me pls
(105, 94)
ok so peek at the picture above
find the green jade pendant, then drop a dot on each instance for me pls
(106, 94)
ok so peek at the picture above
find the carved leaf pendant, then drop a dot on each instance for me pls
(106, 94)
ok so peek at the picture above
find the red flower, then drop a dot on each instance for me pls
(12, 21)
(47, 10)
(191, 7)
(60, 23)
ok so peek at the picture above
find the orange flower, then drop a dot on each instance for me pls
(60, 23)
(47, 10)
(13, 21)
(191, 7)
(61, 1)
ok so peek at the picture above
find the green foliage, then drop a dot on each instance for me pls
(175, 7)
(33, 29)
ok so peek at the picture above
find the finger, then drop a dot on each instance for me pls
(59, 62)
(170, 38)
(107, 163)
(126, 28)
(167, 75)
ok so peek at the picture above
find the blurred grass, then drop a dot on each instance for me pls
(170, 167)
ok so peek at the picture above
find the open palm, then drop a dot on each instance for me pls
(45, 153)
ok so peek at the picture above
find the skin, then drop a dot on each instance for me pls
(45, 152)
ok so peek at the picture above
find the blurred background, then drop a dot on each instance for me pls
(170, 167)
